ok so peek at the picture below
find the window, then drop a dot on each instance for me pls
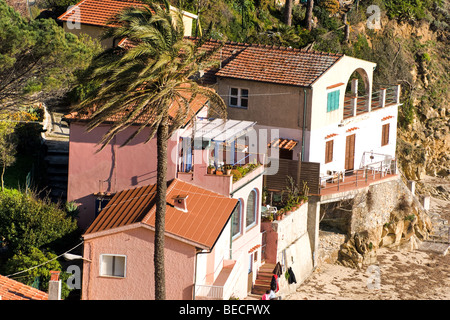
(236, 220)
(239, 97)
(333, 100)
(251, 209)
(385, 135)
(112, 265)
(329, 151)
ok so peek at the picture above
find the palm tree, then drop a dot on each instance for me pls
(141, 84)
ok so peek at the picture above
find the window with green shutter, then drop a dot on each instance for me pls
(333, 101)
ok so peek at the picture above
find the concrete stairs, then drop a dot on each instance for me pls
(56, 140)
(263, 278)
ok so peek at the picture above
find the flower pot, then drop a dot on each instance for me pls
(228, 172)
(211, 170)
(219, 173)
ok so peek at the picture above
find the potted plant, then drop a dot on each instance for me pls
(219, 171)
(228, 169)
(211, 169)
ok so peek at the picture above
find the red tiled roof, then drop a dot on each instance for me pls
(14, 290)
(282, 143)
(97, 12)
(279, 65)
(266, 63)
(206, 216)
(195, 106)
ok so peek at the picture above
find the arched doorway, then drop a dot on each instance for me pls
(357, 94)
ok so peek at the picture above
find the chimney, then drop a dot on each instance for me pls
(180, 202)
(54, 286)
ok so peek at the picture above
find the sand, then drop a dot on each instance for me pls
(397, 275)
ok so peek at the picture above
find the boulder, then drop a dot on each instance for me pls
(388, 240)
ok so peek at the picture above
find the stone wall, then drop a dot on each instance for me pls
(383, 215)
(288, 242)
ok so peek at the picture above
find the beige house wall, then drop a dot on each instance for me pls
(268, 104)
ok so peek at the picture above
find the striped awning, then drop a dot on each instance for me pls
(281, 143)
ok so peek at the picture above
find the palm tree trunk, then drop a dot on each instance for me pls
(161, 189)
(309, 14)
(288, 12)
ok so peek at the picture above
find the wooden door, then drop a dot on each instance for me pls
(350, 152)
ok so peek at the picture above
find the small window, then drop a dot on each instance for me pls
(239, 97)
(385, 135)
(112, 265)
(251, 209)
(236, 220)
(333, 101)
(329, 151)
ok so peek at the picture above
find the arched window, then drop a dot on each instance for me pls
(236, 219)
(252, 208)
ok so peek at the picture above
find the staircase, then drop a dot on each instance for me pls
(56, 139)
(262, 282)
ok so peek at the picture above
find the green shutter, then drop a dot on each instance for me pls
(333, 100)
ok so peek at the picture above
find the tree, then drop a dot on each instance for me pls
(33, 268)
(38, 59)
(288, 12)
(27, 222)
(143, 82)
(8, 144)
(309, 14)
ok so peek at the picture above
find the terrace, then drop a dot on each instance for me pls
(215, 153)
(374, 168)
(355, 105)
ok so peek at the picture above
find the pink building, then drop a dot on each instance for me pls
(227, 266)
(120, 242)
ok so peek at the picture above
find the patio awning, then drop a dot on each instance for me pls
(281, 143)
(218, 130)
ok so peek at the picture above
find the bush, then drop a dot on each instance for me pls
(37, 277)
(27, 222)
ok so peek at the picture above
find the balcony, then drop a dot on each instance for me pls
(371, 171)
(223, 286)
(355, 105)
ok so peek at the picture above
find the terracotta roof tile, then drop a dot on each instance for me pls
(97, 12)
(279, 65)
(13, 290)
(262, 62)
(207, 212)
(195, 106)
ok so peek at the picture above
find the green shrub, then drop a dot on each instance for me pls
(27, 222)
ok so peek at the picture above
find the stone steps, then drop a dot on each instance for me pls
(262, 282)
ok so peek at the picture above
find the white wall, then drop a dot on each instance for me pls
(368, 138)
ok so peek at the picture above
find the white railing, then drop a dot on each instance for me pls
(224, 292)
(209, 291)
(363, 175)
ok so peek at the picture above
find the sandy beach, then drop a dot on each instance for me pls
(397, 275)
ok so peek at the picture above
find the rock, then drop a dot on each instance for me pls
(408, 230)
(388, 240)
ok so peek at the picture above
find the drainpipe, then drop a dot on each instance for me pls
(304, 123)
